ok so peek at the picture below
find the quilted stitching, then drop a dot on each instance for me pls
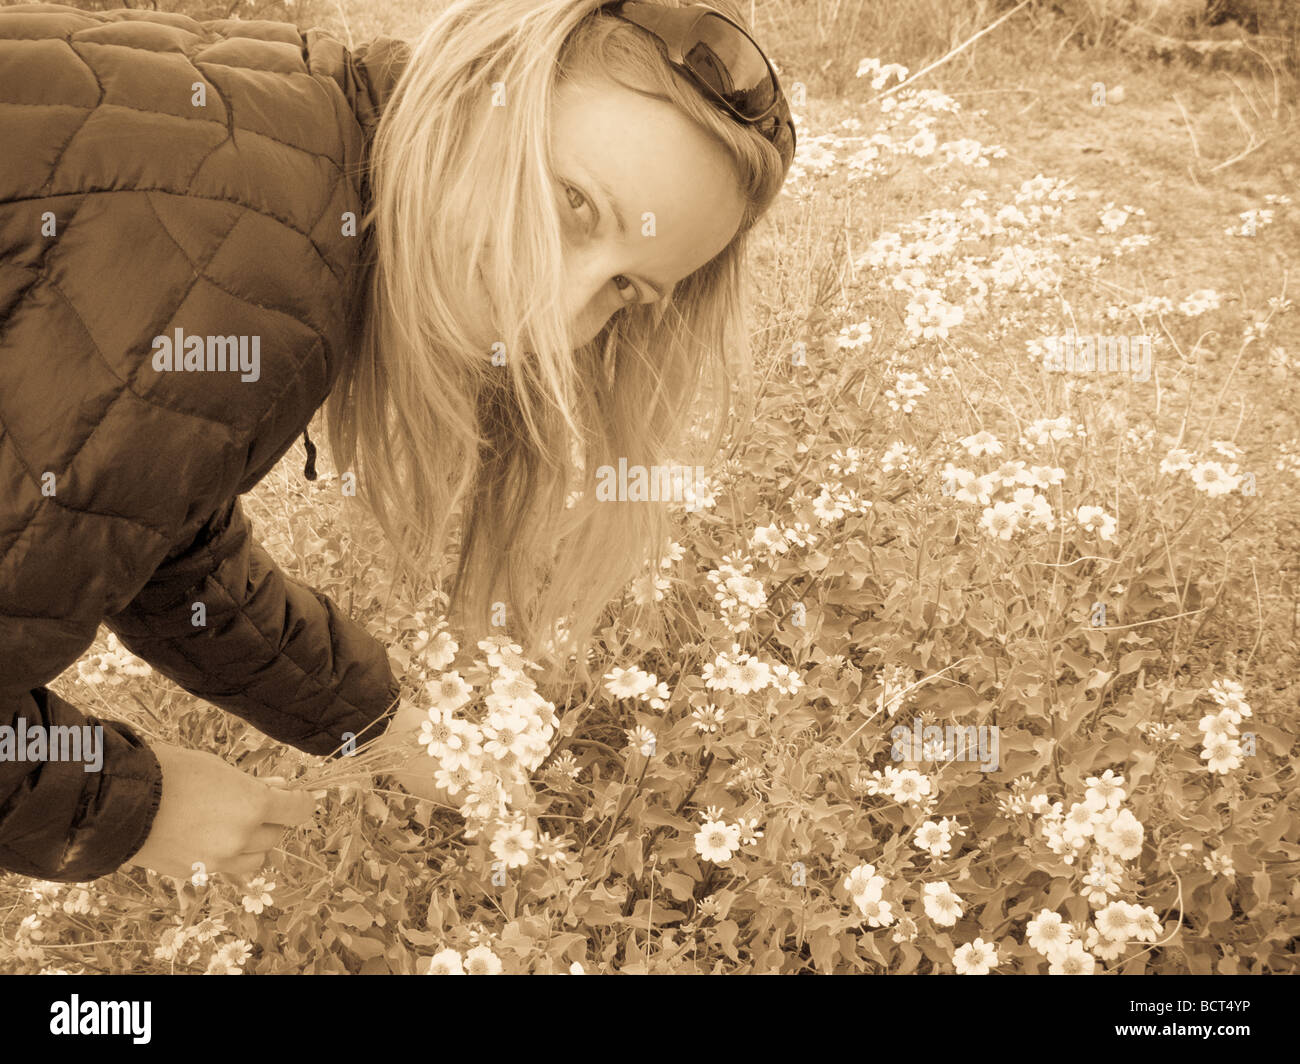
(83, 34)
(219, 220)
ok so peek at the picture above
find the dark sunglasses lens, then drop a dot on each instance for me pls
(730, 64)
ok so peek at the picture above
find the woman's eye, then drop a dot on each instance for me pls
(636, 294)
(573, 193)
(630, 292)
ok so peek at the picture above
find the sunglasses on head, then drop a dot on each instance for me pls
(723, 60)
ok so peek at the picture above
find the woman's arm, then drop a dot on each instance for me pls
(273, 652)
(60, 822)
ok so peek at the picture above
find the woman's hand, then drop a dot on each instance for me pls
(216, 817)
(416, 771)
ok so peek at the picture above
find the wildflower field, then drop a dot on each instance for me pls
(982, 651)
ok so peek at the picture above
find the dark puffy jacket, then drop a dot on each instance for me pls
(131, 207)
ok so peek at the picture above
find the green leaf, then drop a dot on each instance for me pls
(725, 935)
(1082, 666)
(355, 916)
(420, 938)
(679, 885)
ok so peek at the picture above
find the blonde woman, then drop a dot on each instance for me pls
(515, 242)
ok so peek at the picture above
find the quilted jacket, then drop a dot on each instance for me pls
(168, 184)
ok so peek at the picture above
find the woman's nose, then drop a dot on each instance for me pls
(592, 301)
(586, 328)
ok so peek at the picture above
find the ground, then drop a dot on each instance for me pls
(789, 835)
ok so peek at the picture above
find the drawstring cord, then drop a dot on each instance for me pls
(309, 470)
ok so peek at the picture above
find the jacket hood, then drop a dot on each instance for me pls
(367, 74)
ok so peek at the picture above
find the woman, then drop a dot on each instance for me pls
(516, 240)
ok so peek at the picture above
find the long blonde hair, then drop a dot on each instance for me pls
(431, 427)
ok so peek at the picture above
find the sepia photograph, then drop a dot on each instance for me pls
(561, 487)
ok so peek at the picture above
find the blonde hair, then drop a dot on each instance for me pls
(431, 427)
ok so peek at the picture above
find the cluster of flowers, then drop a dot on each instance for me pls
(940, 902)
(1028, 262)
(1289, 458)
(1199, 302)
(930, 315)
(1112, 217)
(488, 757)
(1114, 927)
(51, 898)
(1192, 306)
(738, 594)
(906, 389)
(1220, 749)
(899, 457)
(1027, 508)
(833, 503)
(929, 266)
(1101, 830)
(651, 586)
(1144, 308)
(777, 540)
(935, 836)
(112, 666)
(1211, 477)
(186, 944)
(854, 336)
(1098, 822)
(718, 841)
(1049, 430)
(743, 673)
(903, 128)
(633, 682)
(477, 961)
(867, 891)
(903, 785)
(1256, 218)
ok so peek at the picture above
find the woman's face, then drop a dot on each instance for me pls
(619, 155)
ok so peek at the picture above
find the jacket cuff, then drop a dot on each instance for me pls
(377, 728)
(150, 813)
(120, 815)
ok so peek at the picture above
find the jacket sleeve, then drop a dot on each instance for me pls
(271, 651)
(60, 821)
(224, 623)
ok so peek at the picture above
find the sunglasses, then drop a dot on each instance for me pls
(723, 60)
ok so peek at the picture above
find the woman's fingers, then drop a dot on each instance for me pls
(288, 808)
(266, 837)
(245, 864)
